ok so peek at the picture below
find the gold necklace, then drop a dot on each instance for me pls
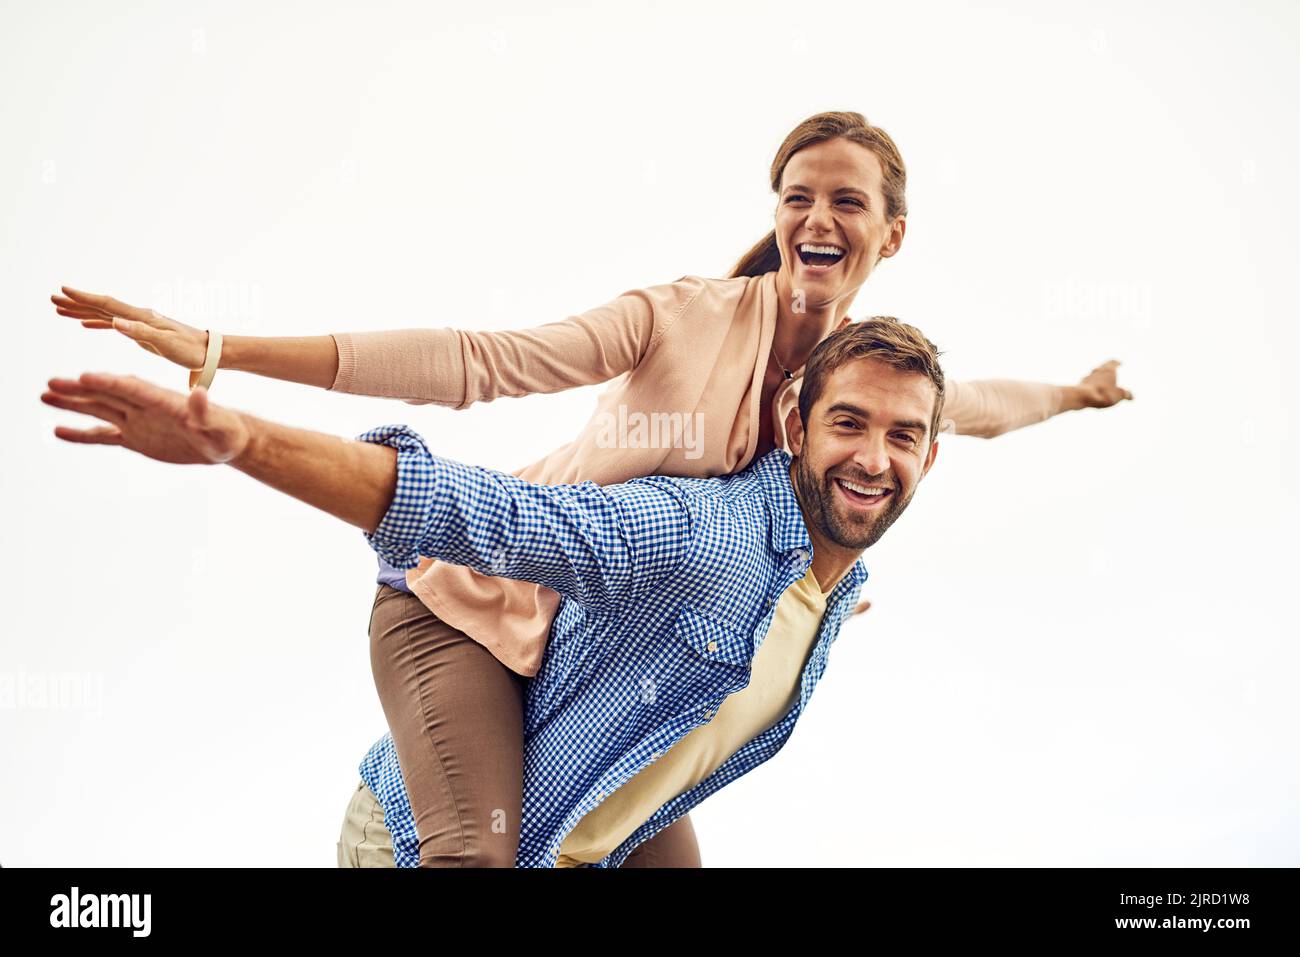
(781, 365)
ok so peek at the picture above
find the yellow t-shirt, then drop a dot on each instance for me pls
(772, 691)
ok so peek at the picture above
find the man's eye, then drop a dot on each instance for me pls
(847, 423)
(907, 437)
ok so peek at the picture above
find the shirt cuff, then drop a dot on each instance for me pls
(407, 521)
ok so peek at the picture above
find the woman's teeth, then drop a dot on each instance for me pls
(814, 255)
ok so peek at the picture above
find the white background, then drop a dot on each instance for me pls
(1082, 646)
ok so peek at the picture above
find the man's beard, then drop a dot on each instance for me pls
(819, 502)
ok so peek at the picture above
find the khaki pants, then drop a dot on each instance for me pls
(456, 714)
(365, 842)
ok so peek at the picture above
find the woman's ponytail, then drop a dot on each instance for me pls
(763, 258)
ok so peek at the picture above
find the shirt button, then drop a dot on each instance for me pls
(802, 554)
(713, 646)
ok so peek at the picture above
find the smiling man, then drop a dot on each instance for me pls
(697, 614)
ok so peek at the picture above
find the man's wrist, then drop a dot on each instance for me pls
(254, 449)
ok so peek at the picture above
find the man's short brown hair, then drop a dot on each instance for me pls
(895, 343)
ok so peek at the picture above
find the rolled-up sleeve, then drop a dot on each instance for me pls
(406, 523)
(597, 545)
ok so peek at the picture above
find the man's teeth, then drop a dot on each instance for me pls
(862, 489)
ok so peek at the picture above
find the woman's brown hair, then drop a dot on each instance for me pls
(765, 256)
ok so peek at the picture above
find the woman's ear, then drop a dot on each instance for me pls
(896, 231)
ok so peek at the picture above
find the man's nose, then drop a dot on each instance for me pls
(872, 456)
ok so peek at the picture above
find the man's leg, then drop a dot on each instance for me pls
(364, 841)
(674, 846)
(456, 714)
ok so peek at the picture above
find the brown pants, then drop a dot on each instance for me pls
(456, 714)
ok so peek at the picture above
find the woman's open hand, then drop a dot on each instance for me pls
(175, 341)
(1100, 388)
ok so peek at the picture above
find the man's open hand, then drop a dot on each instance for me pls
(159, 423)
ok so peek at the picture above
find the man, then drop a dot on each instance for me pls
(697, 614)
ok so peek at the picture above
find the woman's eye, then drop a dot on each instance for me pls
(853, 202)
(796, 198)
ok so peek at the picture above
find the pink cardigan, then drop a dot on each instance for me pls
(692, 346)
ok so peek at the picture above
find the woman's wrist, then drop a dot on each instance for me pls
(204, 375)
(248, 354)
(309, 360)
(232, 352)
(1068, 398)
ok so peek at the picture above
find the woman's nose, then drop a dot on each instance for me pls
(819, 217)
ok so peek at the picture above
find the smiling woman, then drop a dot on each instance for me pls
(842, 208)
(451, 646)
(885, 179)
(832, 225)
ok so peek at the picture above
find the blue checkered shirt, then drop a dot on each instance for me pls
(667, 585)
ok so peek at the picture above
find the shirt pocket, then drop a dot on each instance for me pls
(705, 658)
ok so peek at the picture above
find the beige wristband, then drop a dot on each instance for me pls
(205, 375)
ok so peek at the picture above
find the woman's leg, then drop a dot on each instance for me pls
(456, 716)
(674, 846)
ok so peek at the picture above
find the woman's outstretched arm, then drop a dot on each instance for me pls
(310, 360)
(456, 368)
(992, 407)
(442, 366)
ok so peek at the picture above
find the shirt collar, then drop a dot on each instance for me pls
(788, 530)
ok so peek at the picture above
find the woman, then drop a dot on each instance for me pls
(451, 649)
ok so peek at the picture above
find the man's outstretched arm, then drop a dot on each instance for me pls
(351, 480)
(600, 546)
